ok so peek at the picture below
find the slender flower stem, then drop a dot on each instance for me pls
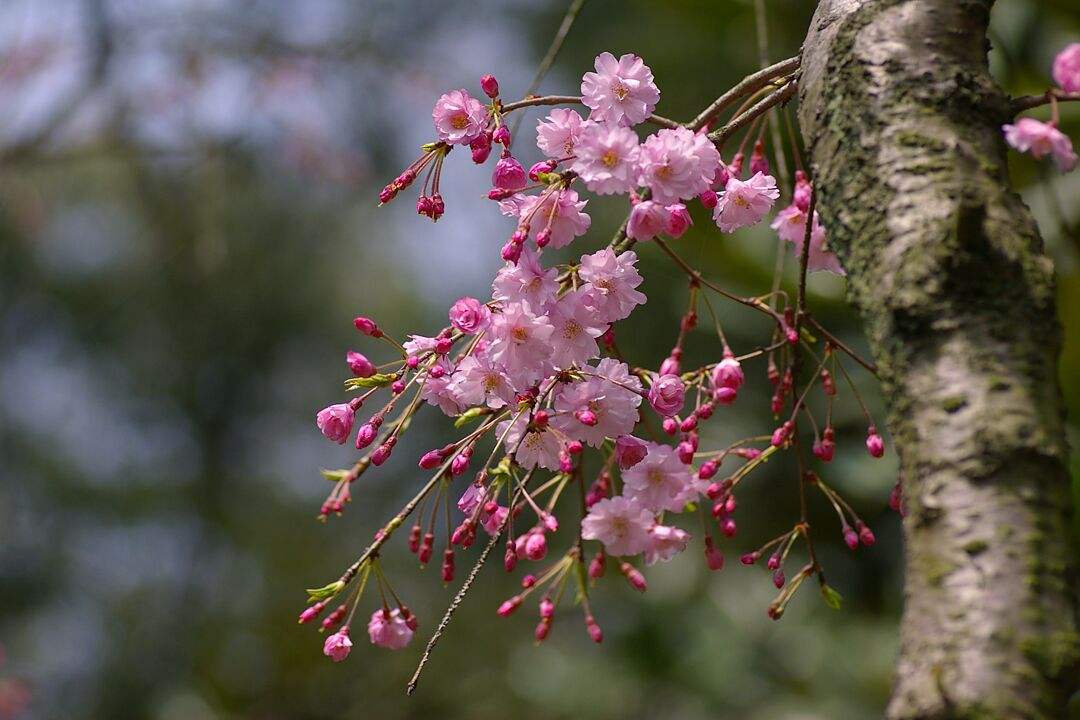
(749, 84)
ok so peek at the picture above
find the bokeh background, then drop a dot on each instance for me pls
(188, 223)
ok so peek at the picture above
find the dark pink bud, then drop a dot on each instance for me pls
(566, 464)
(708, 199)
(670, 366)
(510, 559)
(778, 578)
(586, 417)
(595, 633)
(443, 345)
(397, 387)
(414, 538)
(536, 546)
(490, 86)
(448, 566)
(508, 174)
(596, 567)
(541, 418)
(714, 559)
(749, 558)
(704, 411)
(875, 445)
(542, 629)
(866, 535)
(431, 459)
(481, 148)
(547, 608)
(511, 252)
(382, 453)
(688, 424)
(427, 546)
(543, 237)
(629, 451)
(824, 450)
(574, 447)
(509, 606)
(367, 326)
(685, 451)
(670, 426)
(774, 561)
(436, 371)
(366, 435)
(544, 166)
(502, 136)
(459, 464)
(528, 581)
(851, 538)
(634, 577)
(312, 612)
(359, 365)
(758, 162)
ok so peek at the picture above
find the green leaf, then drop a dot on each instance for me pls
(334, 475)
(469, 416)
(376, 380)
(326, 591)
(832, 598)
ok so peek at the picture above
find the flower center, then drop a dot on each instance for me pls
(519, 334)
(572, 329)
(491, 381)
(610, 158)
(655, 476)
(663, 172)
(741, 201)
(619, 90)
(618, 526)
(460, 121)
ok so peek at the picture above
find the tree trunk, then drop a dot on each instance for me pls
(903, 125)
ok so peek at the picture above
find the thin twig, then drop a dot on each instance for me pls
(777, 97)
(749, 84)
(1027, 102)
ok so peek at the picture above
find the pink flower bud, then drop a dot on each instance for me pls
(528, 581)
(708, 469)
(875, 445)
(544, 166)
(629, 451)
(714, 559)
(502, 136)
(667, 395)
(536, 546)
(542, 629)
(312, 612)
(851, 538)
(749, 558)
(427, 546)
(367, 326)
(595, 633)
(448, 566)
(708, 199)
(510, 557)
(359, 365)
(866, 535)
(758, 162)
(597, 565)
(397, 387)
(338, 645)
(586, 417)
(670, 426)
(670, 366)
(773, 562)
(335, 422)
(511, 252)
(685, 451)
(824, 450)
(366, 435)
(508, 173)
(381, 454)
(688, 423)
(547, 608)
(543, 238)
(550, 522)
(431, 459)
(442, 346)
(778, 578)
(647, 220)
(725, 395)
(574, 447)
(481, 148)
(490, 86)
(728, 527)
(678, 220)
(509, 606)
(634, 577)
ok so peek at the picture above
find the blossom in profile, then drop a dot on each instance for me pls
(665, 542)
(459, 117)
(744, 203)
(389, 629)
(1066, 70)
(335, 422)
(338, 645)
(1041, 139)
(621, 91)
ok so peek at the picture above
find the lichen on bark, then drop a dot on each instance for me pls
(902, 122)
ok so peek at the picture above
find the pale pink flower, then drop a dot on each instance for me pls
(521, 343)
(557, 135)
(469, 315)
(576, 330)
(620, 91)
(610, 280)
(389, 629)
(667, 395)
(790, 225)
(493, 522)
(535, 446)
(677, 164)
(459, 118)
(1067, 68)
(338, 645)
(418, 345)
(660, 481)
(480, 381)
(335, 422)
(629, 451)
(622, 525)
(665, 542)
(728, 373)
(438, 387)
(1041, 139)
(559, 211)
(359, 364)
(647, 220)
(527, 281)
(613, 398)
(744, 203)
(607, 158)
(472, 498)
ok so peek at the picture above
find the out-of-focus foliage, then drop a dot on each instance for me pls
(188, 224)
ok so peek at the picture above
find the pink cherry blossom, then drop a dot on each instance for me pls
(359, 365)
(622, 525)
(561, 212)
(389, 629)
(790, 225)
(1041, 139)
(659, 482)
(418, 345)
(607, 158)
(728, 373)
(1067, 68)
(474, 496)
(508, 173)
(610, 393)
(535, 446)
(335, 422)
(667, 395)
(576, 330)
(629, 451)
(469, 315)
(647, 220)
(557, 136)
(621, 91)
(338, 645)
(744, 203)
(520, 342)
(478, 380)
(527, 281)
(677, 164)
(459, 118)
(665, 542)
(438, 387)
(610, 280)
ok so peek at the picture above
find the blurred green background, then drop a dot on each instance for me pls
(188, 225)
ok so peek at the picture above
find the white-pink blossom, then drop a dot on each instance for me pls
(535, 445)
(665, 542)
(478, 380)
(459, 117)
(607, 158)
(677, 164)
(1041, 139)
(338, 645)
(659, 482)
(389, 629)
(521, 343)
(610, 282)
(744, 203)
(647, 220)
(620, 91)
(576, 329)
(610, 393)
(469, 315)
(622, 525)
(560, 212)
(438, 389)
(1067, 68)
(527, 281)
(790, 225)
(557, 135)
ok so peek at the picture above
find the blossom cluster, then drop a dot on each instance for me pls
(533, 374)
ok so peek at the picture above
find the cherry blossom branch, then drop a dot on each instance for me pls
(1027, 102)
(777, 97)
(841, 345)
(749, 84)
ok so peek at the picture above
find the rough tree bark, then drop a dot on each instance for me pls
(903, 123)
